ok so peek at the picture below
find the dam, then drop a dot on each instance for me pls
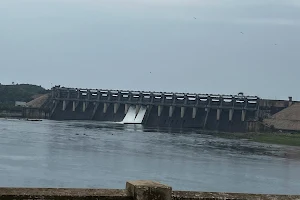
(155, 109)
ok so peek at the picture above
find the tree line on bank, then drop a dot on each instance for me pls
(9, 94)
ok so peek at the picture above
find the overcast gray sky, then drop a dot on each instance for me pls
(154, 45)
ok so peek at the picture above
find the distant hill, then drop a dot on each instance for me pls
(20, 92)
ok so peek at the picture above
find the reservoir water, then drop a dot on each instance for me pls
(106, 155)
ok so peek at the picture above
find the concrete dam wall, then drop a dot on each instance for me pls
(155, 109)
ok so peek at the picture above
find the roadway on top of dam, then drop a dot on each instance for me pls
(156, 98)
(114, 91)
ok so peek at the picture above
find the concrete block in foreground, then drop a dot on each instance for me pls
(148, 190)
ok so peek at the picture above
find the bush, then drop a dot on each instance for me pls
(272, 127)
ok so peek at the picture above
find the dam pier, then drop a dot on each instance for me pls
(155, 109)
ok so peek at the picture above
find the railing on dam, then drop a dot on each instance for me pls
(135, 190)
(238, 102)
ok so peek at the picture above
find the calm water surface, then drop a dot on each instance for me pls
(105, 155)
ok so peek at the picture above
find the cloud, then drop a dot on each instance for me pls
(143, 3)
(273, 21)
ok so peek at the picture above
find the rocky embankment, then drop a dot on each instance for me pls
(286, 120)
(39, 102)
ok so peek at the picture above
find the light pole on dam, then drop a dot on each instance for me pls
(158, 109)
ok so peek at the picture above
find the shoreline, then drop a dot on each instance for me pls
(288, 139)
(289, 143)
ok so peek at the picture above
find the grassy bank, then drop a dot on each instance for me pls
(291, 139)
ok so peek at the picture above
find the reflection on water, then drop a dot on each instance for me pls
(105, 155)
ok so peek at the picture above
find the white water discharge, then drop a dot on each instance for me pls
(140, 116)
(132, 117)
